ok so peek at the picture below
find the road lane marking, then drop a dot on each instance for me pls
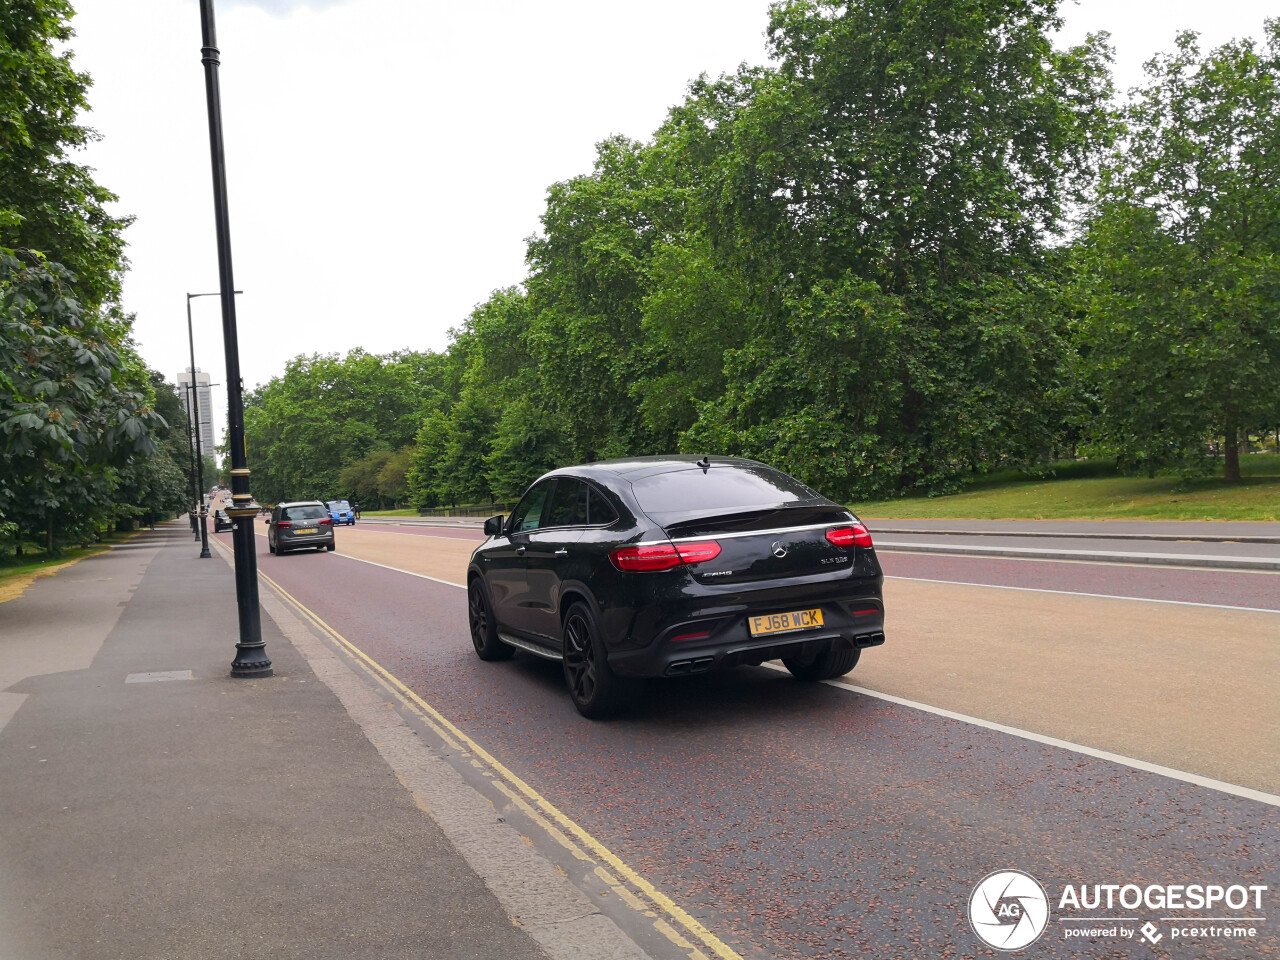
(1099, 596)
(1194, 560)
(432, 536)
(590, 850)
(1193, 778)
(421, 576)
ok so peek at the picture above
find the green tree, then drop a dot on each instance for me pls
(48, 202)
(326, 413)
(424, 475)
(393, 478)
(75, 403)
(904, 169)
(1180, 268)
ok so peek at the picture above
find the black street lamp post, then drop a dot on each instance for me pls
(195, 491)
(194, 405)
(251, 658)
(197, 473)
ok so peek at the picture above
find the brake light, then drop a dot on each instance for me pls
(653, 557)
(327, 520)
(855, 535)
(698, 552)
(283, 523)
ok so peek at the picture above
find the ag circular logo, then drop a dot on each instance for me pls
(1008, 910)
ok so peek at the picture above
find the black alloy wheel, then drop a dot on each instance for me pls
(831, 663)
(594, 688)
(484, 629)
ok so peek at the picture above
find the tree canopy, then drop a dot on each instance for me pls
(82, 442)
(1180, 268)
(923, 242)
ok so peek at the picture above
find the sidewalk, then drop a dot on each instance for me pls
(153, 807)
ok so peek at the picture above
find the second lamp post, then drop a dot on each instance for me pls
(194, 406)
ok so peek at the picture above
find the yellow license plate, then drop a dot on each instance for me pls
(784, 622)
(306, 530)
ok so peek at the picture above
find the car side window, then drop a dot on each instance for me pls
(529, 511)
(599, 511)
(568, 504)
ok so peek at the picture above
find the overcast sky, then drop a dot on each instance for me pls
(387, 158)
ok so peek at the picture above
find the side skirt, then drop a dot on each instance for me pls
(528, 646)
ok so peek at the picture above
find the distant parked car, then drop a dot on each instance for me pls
(669, 566)
(221, 522)
(340, 512)
(296, 526)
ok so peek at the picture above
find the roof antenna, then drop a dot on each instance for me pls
(705, 463)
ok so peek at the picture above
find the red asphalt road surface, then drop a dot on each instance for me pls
(802, 820)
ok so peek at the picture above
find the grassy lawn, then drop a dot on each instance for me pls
(18, 573)
(407, 512)
(1093, 491)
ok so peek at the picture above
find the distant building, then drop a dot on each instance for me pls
(204, 405)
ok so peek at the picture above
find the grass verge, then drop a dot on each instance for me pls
(389, 513)
(1101, 496)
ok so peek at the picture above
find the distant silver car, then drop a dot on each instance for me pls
(299, 525)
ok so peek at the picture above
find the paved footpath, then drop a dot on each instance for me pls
(153, 807)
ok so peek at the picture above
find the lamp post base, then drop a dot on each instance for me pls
(251, 652)
(251, 661)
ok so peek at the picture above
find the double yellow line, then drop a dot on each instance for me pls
(638, 893)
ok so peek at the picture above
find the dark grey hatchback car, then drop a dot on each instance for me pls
(298, 526)
(668, 566)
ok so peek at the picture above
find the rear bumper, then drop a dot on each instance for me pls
(314, 540)
(704, 640)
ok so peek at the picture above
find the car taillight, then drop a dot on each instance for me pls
(327, 520)
(855, 535)
(663, 556)
(284, 523)
(698, 552)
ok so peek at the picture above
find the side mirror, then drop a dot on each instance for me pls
(493, 526)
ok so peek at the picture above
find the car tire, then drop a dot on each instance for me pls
(831, 663)
(595, 689)
(271, 547)
(331, 547)
(484, 629)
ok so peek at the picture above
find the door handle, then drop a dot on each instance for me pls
(520, 551)
(562, 552)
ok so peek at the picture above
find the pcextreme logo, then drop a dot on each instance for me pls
(1010, 910)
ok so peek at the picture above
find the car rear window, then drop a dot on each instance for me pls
(304, 513)
(719, 490)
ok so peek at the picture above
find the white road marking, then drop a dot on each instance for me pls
(1099, 596)
(1189, 560)
(432, 536)
(421, 576)
(1194, 778)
